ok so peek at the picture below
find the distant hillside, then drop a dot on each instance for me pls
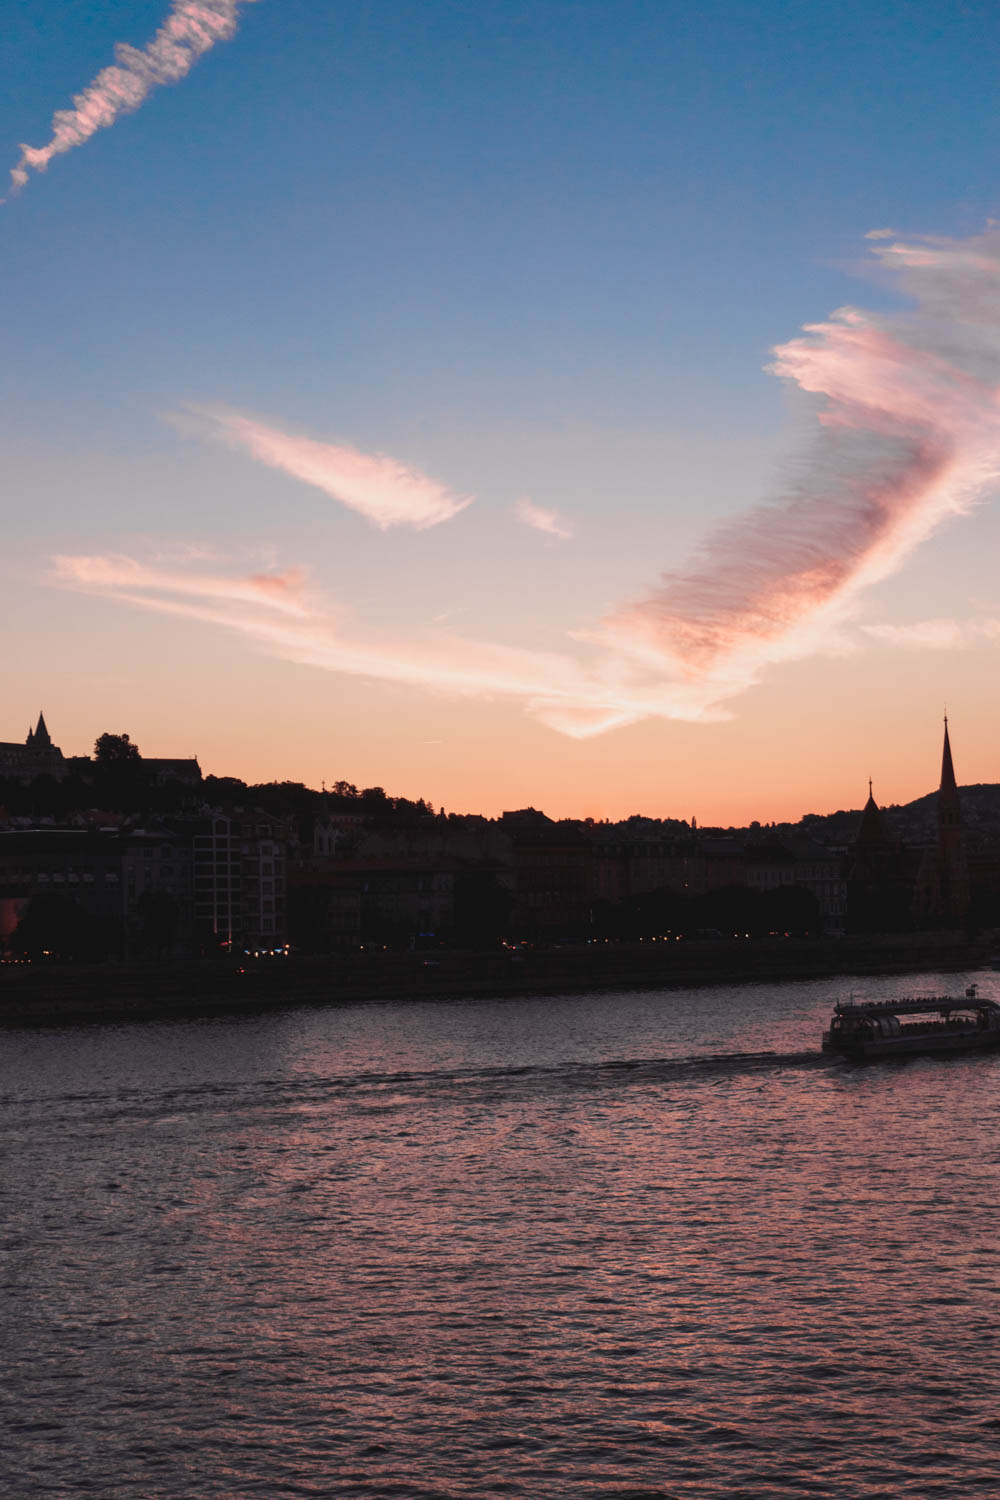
(916, 821)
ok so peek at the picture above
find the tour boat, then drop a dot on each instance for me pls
(905, 1028)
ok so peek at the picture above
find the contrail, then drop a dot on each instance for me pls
(192, 28)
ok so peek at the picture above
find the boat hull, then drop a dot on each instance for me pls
(866, 1049)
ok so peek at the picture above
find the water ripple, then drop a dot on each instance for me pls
(299, 1258)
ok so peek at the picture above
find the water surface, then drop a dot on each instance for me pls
(610, 1245)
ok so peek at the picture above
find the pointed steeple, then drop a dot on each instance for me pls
(871, 829)
(949, 811)
(41, 735)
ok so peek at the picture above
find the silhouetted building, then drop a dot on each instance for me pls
(942, 893)
(415, 885)
(801, 864)
(36, 757)
(879, 892)
(239, 866)
(132, 882)
(553, 880)
(166, 768)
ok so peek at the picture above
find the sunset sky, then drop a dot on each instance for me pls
(587, 405)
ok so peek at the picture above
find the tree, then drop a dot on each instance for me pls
(120, 778)
(656, 913)
(160, 914)
(731, 910)
(791, 909)
(115, 750)
(54, 926)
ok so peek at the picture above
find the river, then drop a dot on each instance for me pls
(617, 1246)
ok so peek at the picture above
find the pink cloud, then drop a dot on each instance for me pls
(577, 698)
(908, 434)
(540, 519)
(192, 27)
(937, 635)
(384, 491)
(114, 573)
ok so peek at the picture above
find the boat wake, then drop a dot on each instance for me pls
(380, 1091)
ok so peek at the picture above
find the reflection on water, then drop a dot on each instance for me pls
(629, 1245)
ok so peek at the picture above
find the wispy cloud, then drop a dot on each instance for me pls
(192, 27)
(937, 635)
(908, 434)
(115, 573)
(541, 519)
(381, 489)
(576, 697)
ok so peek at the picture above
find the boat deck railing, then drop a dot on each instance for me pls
(911, 1004)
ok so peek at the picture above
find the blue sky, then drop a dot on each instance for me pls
(608, 211)
(540, 249)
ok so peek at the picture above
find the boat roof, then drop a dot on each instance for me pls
(911, 1004)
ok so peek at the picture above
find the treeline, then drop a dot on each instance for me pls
(118, 780)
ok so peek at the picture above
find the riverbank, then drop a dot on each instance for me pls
(64, 994)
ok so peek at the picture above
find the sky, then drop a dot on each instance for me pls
(588, 406)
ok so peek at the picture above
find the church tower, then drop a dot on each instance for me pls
(949, 811)
(951, 847)
(871, 831)
(877, 899)
(942, 893)
(36, 757)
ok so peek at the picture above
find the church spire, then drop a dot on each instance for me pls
(872, 828)
(41, 736)
(949, 812)
(947, 769)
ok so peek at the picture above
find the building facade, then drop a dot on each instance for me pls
(239, 868)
